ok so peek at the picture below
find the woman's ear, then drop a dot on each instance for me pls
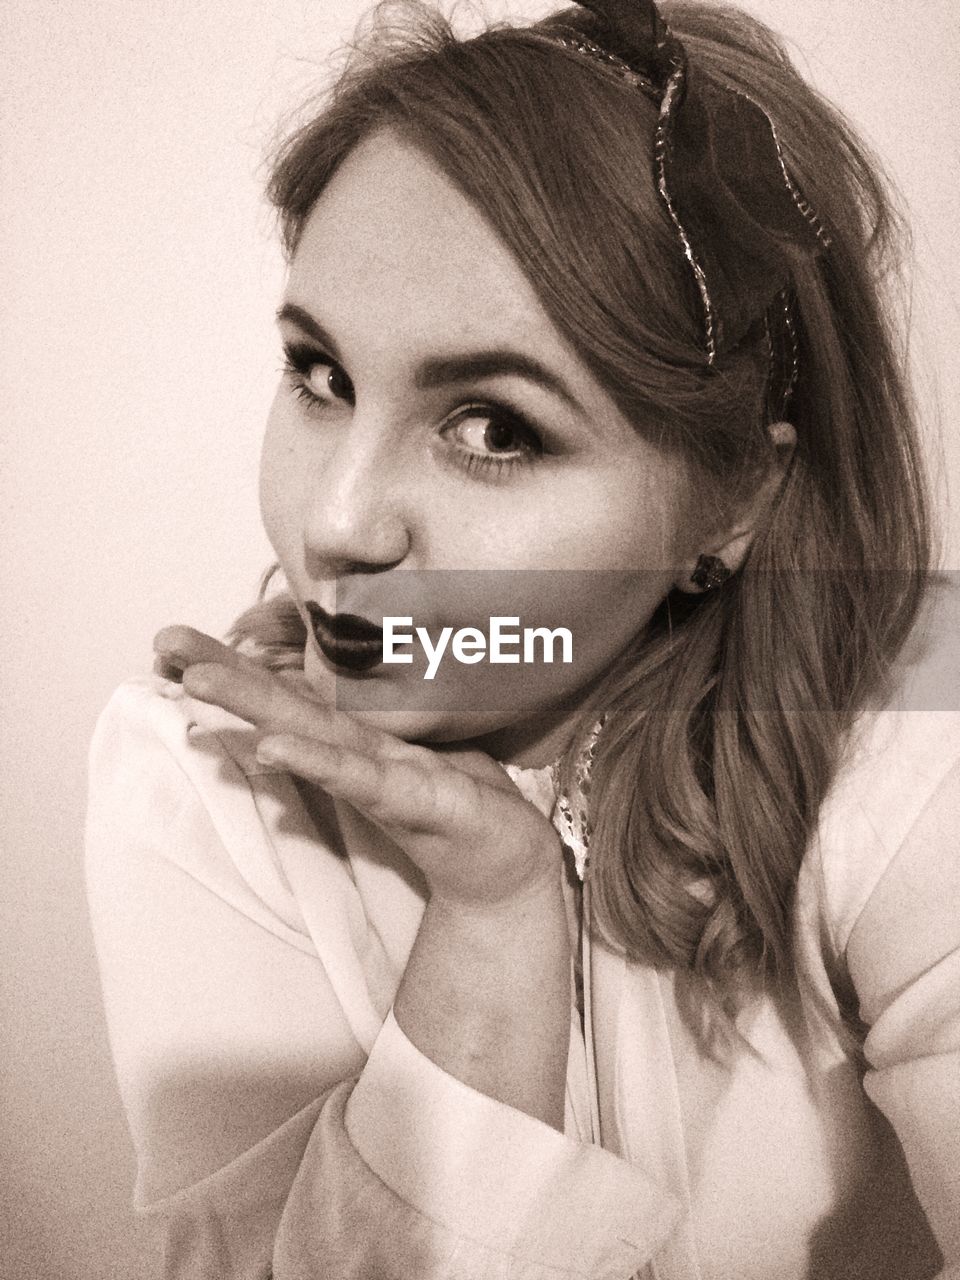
(731, 543)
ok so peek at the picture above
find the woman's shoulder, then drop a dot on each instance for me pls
(147, 711)
(181, 812)
(176, 782)
(899, 760)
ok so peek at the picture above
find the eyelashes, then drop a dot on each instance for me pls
(499, 419)
(301, 363)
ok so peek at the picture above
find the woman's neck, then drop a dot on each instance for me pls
(537, 742)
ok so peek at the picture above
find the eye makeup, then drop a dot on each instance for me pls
(299, 362)
(500, 418)
(301, 359)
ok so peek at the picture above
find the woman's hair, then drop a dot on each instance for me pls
(726, 719)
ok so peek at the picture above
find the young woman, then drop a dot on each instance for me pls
(637, 962)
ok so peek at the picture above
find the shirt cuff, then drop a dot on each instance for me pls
(492, 1174)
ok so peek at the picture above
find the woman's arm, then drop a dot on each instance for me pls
(265, 1138)
(486, 996)
(486, 993)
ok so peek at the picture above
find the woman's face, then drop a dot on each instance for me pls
(437, 451)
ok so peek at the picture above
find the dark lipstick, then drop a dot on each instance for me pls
(346, 639)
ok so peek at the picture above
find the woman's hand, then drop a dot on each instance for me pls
(486, 989)
(455, 812)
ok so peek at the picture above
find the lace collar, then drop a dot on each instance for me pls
(567, 812)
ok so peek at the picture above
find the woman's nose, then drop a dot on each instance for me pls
(356, 515)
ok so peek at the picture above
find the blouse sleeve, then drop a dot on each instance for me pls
(904, 958)
(268, 1143)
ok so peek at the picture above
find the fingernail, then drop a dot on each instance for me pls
(164, 638)
(171, 654)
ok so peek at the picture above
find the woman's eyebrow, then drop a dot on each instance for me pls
(441, 370)
(495, 363)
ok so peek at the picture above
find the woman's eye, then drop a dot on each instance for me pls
(493, 437)
(316, 378)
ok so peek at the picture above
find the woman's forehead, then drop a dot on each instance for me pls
(392, 241)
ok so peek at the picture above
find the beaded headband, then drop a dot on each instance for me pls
(720, 171)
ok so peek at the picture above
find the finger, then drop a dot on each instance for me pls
(477, 763)
(394, 792)
(279, 706)
(181, 647)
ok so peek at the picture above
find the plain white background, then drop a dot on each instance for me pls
(138, 362)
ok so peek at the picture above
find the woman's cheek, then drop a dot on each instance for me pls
(280, 490)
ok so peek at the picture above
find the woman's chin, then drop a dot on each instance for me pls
(493, 709)
(392, 701)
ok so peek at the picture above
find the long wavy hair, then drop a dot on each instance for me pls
(727, 718)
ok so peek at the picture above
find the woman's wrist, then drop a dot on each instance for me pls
(486, 996)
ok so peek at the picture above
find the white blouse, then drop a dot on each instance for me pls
(251, 946)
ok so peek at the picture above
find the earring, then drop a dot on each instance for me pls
(710, 572)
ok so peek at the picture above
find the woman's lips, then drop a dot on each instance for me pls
(345, 639)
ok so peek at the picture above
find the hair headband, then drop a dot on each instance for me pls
(721, 174)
